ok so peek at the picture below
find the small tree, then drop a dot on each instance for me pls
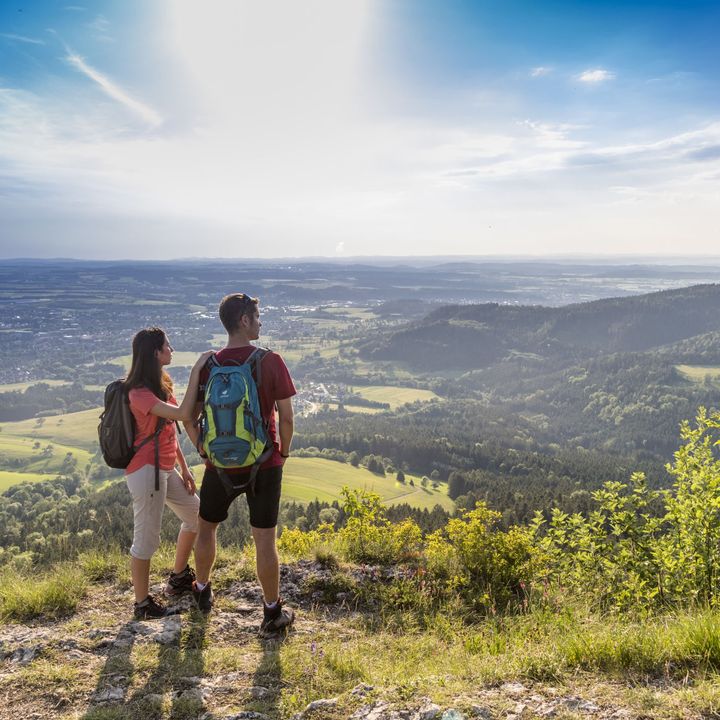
(400, 477)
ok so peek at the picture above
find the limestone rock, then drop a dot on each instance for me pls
(429, 712)
(376, 711)
(109, 694)
(452, 714)
(321, 704)
(361, 690)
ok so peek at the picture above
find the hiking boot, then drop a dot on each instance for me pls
(276, 620)
(203, 598)
(179, 583)
(149, 609)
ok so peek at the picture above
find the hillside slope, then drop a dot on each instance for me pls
(473, 336)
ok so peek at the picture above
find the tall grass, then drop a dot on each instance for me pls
(56, 593)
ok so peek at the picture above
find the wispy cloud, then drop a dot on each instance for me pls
(592, 77)
(100, 24)
(22, 38)
(146, 113)
(100, 27)
(540, 71)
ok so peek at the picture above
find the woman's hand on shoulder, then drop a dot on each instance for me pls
(200, 362)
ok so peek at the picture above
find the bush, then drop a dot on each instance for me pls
(490, 569)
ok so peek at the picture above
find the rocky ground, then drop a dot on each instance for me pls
(100, 664)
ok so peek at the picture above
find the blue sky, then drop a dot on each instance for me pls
(415, 127)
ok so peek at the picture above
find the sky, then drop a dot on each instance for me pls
(158, 129)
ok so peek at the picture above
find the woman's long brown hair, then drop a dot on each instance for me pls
(145, 371)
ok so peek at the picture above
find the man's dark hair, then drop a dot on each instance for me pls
(233, 307)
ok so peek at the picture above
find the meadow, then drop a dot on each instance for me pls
(394, 396)
(22, 386)
(180, 358)
(78, 430)
(698, 373)
(8, 478)
(308, 479)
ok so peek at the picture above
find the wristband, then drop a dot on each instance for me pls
(284, 456)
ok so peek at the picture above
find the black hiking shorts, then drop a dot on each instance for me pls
(263, 503)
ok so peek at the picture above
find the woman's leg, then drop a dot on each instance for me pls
(140, 570)
(147, 517)
(186, 507)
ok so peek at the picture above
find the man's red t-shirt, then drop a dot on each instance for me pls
(276, 384)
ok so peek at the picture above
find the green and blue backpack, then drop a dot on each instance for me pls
(233, 433)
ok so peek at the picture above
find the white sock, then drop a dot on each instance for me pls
(272, 605)
(199, 586)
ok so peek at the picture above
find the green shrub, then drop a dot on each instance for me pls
(492, 570)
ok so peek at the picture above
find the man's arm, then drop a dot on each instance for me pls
(286, 424)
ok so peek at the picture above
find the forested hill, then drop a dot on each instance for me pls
(473, 336)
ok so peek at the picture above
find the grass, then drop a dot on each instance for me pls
(295, 350)
(394, 396)
(22, 449)
(25, 596)
(22, 386)
(353, 408)
(180, 358)
(664, 667)
(103, 565)
(698, 373)
(77, 430)
(308, 479)
(8, 478)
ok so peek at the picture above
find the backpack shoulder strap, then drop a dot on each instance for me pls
(255, 363)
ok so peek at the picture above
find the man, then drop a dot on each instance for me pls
(240, 316)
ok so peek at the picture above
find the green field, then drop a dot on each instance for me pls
(395, 396)
(12, 387)
(22, 449)
(9, 478)
(307, 479)
(698, 373)
(355, 408)
(181, 358)
(78, 430)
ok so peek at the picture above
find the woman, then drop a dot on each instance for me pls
(150, 392)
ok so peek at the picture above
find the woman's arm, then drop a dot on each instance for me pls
(185, 472)
(184, 411)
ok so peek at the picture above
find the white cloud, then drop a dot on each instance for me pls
(593, 77)
(540, 71)
(22, 38)
(146, 113)
(268, 140)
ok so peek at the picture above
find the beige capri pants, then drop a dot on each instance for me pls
(148, 505)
